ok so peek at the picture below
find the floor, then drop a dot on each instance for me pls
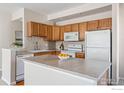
(21, 83)
(121, 82)
(1, 81)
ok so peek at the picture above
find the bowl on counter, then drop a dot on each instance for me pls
(63, 56)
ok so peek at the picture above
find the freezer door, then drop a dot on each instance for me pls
(98, 38)
(102, 54)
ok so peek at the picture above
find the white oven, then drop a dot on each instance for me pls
(72, 49)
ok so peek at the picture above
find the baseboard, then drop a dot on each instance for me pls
(121, 78)
(8, 83)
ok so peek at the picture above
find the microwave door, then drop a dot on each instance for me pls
(71, 36)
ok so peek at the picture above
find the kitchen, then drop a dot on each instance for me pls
(71, 39)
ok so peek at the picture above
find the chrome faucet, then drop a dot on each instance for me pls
(36, 46)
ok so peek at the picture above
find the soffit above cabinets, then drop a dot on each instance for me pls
(81, 11)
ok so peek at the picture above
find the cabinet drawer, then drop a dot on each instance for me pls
(80, 55)
(47, 53)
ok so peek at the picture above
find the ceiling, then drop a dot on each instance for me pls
(43, 8)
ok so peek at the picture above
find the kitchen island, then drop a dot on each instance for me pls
(50, 70)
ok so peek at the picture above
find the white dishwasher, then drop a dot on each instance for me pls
(20, 66)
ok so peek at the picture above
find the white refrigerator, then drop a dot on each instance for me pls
(98, 45)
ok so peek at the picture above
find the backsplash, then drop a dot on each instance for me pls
(44, 44)
(31, 41)
(58, 43)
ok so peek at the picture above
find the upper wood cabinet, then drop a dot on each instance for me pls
(74, 27)
(32, 29)
(44, 29)
(67, 28)
(56, 33)
(49, 32)
(53, 33)
(105, 23)
(82, 29)
(62, 30)
(92, 25)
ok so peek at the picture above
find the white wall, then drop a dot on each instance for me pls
(6, 34)
(16, 26)
(121, 42)
(36, 17)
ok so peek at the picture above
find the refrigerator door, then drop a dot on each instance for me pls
(98, 38)
(102, 54)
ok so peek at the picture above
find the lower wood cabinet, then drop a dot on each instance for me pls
(47, 53)
(80, 55)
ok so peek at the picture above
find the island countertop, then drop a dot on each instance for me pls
(92, 69)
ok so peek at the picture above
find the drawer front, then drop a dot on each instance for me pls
(80, 55)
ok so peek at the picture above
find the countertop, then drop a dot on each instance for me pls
(26, 52)
(92, 69)
(44, 50)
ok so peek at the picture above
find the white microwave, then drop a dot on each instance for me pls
(71, 36)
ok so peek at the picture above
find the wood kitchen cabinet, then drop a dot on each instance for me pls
(58, 52)
(44, 53)
(92, 25)
(49, 32)
(105, 24)
(61, 33)
(53, 33)
(33, 29)
(74, 27)
(82, 30)
(80, 55)
(47, 53)
(42, 30)
(56, 33)
(67, 28)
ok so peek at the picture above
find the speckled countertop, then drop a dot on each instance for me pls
(87, 68)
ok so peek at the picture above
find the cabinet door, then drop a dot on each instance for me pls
(62, 33)
(105, 24)
(33, 29)
(40, 30)
(44, 27)
(67, 28)
(55, 33)
(49, 33)
(74, 27)
(82, 29)
(92, 25)
(43, 53)
(80, 55)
